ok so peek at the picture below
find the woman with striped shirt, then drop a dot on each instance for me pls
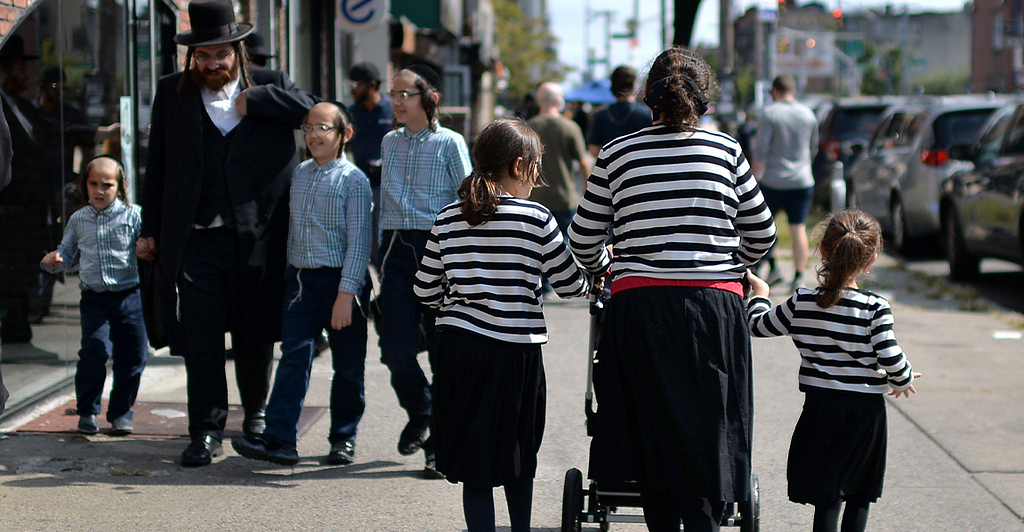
(482, 268)
(850, 358)
(687, 219)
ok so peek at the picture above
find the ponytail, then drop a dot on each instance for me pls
(849, 243)
(480, 200)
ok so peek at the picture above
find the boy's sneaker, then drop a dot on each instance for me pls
(122, 426)
(774, 277)
(87, 424)
(266, 448)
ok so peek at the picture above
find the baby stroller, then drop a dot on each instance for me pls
(612, 477)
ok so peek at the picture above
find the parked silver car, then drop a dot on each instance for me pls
(898, 177)
(982, 207)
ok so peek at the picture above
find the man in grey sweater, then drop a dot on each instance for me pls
(787, 137)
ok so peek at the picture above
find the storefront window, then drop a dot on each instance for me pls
(63, 71)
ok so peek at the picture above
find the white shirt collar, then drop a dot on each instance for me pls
(220, 105)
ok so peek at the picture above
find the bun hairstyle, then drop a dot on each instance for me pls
(428, 82)
(849, 241)
(680, 87)
(497, 148)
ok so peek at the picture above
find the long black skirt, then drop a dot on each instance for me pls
(489, 408)
(838, 448)
(682, 357)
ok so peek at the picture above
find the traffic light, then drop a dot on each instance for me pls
(783, 45)
(837, 14)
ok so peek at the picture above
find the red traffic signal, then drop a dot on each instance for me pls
(837, 13)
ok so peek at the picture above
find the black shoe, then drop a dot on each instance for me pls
(265, 448)
(321, 345)
(430, 471)
(254, 425)
(342, 453)
(87, 424)
(201, 452)
(412, 438)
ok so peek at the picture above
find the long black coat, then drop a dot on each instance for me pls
(259, 170)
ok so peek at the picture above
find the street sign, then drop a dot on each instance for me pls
(768, 10)
(356, 16)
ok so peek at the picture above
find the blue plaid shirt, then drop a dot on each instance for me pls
(106, 243)
(330, 220)
(421, 174)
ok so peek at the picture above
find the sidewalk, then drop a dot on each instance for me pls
(956, 449)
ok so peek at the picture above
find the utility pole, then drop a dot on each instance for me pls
(726, 52)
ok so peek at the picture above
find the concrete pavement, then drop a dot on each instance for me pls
(956, 449)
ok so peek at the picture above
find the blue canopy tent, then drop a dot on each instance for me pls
(593, 92)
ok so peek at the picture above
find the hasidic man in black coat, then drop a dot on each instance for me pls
(215, 217)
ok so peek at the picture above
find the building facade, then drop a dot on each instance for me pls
(993, 46)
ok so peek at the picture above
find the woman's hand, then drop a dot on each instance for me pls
(52, 259)
(757, 285)
(341, 314)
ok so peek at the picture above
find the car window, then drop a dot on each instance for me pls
(1015, 143)
(900, 132)
(881, 133)
(959, 127)
(850, 123)
(992, 140)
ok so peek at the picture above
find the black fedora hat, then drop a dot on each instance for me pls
(14, 49)
(213, 22)
(257, 47)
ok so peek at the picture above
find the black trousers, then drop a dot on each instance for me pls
(208, 290)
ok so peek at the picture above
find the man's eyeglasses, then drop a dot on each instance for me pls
(204, 59)
(319, 128)
(402, 95)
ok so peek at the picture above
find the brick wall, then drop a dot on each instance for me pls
(11, 12)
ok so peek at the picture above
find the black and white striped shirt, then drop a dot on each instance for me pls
(848, 347)
(680, 206)
(487, 279)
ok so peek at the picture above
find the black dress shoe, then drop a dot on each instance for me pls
(412, 438)
(430, 471)
(342, 453)
(254, 425)
(265, 448)
(201, 452)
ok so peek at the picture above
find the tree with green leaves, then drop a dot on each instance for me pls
(527, 50)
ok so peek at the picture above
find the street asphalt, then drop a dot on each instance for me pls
(955, 463)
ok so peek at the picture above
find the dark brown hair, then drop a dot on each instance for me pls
(241, 54)
(623, 80)
(849, 241)
(497, 148)
(680, 108)
(430, 107)
(83, 180)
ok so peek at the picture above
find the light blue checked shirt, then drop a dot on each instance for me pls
(421, 174)
(330, 220)
(105, 241)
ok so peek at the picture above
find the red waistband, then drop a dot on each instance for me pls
(626, 283)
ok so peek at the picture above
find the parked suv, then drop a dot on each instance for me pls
(982, 207)
(898, 176)
(845, 129)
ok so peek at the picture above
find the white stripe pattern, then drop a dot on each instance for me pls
(679, 206)
(849, 347)
(487, 278)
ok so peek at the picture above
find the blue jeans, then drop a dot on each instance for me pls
(112, 325)
(309, 300)
(400, 326)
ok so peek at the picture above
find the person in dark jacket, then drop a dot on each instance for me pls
(215, 217)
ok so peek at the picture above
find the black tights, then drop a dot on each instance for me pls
(855, 517)
(663, 513)
(478, 505)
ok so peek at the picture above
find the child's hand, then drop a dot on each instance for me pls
(145, 248)
(757, 285)
(52, 259)
(909, 390)
(341, 314)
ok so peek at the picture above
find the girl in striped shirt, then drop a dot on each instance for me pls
(482, 268)
(850, 358)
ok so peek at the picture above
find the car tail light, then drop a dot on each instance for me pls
(831, 149)
(935, 157)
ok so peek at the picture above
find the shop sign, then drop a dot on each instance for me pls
(355, 16)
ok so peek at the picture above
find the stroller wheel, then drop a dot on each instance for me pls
(572, 500)
(750, 511)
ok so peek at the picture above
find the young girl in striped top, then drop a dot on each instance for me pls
(482, 267)
(850, 358)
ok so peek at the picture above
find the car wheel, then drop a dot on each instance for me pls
(962, 265)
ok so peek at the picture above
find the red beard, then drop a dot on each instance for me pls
(214, 79)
